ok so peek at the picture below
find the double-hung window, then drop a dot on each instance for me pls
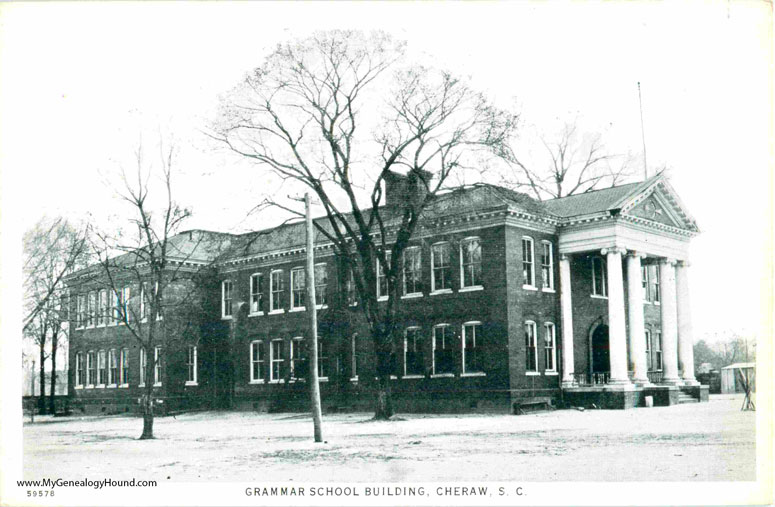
(102, 307)
(351, 294)
(322, 359)
(276, 291)
(412, 271)
(441, 267)
(227, 310)
(354, 355)
(547, 265)
(531, 349)
(191, 364)
(257, 361)
(550, 348)
(102, 368)
(91, 305)
(599, 277)
(80, 308)
(646, 283)
(443, 350)
(321, 284)
(382, 282)
(143, 366)
(157, 366)
(123, 373)
(299, 368)
(649, 359)
(144, 305)
(470, 263)
(112, 367)
(256, 294)
(656, 283)
(298, 289)
(91, 368)
(658, 350)
(413, 352)
(472, 347)
(277, 359)
(80, 370)
(528, 263)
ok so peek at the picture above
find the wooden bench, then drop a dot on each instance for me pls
(539, 402)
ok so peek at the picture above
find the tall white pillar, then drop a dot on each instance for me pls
(637, 335)
(568, 379)
(685, 333)
(669, 322)
(617, 332)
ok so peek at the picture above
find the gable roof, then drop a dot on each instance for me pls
(596, 201)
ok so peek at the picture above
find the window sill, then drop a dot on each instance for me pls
(529, 287)
(259, 381)
(657, 303)
(472, 288)
(552, 291)
(322, 379)
(255, 314)
(647, 302)
(413, 295)
(551, 373)
(100, 386)
(532, 373)
(277, 312)
(157, 384)
(382, 298)
(474, 374)
(227, 317)
(90, 386)
(597, 296)
(141, 385)
(280, 381)
(111, 386)
(78, 387)
(100, 325)
(412, 377)
(123, 386)
(192, 383)
(354, 379)
(354, 304)
(441, 291)
(443, 375)
(298, 309)
(324, 306)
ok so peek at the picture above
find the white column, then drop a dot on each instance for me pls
(685, 334)
(567, 322)
(617, 332)
(637, 335)
(669, 322)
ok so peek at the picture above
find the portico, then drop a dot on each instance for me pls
(631, 247)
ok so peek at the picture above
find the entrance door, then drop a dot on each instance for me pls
(601, 357)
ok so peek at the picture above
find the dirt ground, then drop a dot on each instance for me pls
(712, 441)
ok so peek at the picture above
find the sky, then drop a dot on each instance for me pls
(81, 84)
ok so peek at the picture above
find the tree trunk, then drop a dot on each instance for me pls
(52, 394)
(384, 408)
(147, 402)
(384, 404)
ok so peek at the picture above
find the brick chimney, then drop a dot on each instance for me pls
(402, 188)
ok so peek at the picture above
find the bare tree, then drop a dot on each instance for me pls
(149, 268)
(574, 163)
(303, 115)
(53, 248)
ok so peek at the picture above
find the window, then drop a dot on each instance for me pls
(123, 373)
(644, 274)
(80, 307)
(91, 304)
(413, 352)
(528, 265)
(299, 368)
(658, 351)
(382, 285)
(227, 309)
(656, 283)
(322, 359)
(143, 365)
(412, 271)
(157, 366)
(276, 291)
(80, 369)
(160, 302)
(351, 289)
(531, 351)
(143, 300)
(547, 265)
(102, 308)
(354, 352)
(191, 363)
(112, 367)
(550, 348)
(470, 263)
(321, 284)
(472, 347)
(91, 368)
(276, 357)
(441, 267)
(649, 359)
(257, 293)
(598, 277)
(257, 361)
(443, 353)
(102, 368)
(298, 289)
(120, 314)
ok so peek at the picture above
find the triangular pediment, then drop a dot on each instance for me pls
(659, 204)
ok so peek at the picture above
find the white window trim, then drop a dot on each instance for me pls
(101, 311)
(223, 299)
(406, 350)
(552, 371)
(273, 380)
(551, 287)
(321, 306)
(273, 311)
(194, 382)
(252, 360)
(471, 288)
(304, 291)
(380, 297)
(443, 291)
(463, 371)
(157, 365)
(434, 291)
(535, 349)
(433, 352)
(143, 364)
(463, 286)
(529, 286)
(409, 295)
(259, 311)
(603, 274)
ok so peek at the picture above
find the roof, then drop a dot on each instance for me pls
(597, 201)
(740, 366)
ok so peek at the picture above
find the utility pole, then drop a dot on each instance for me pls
(314, 385)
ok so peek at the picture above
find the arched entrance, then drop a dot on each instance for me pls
(601, 356)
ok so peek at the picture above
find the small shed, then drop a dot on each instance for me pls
(730, 380)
